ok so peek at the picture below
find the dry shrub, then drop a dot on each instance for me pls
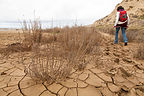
(135, 35)
(15, 47)
(131, 34)
(48, 38)
(140, 52)
(71, 48)
(140, 37)
(48, 63)
(53, 30)
(49, 66)
(110, 31)
(106, 29)
(32, 32)
(79, 42)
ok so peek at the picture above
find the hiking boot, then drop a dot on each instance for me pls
(125, 44)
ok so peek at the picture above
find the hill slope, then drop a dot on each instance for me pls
(134, 8)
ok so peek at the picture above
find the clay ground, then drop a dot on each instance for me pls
(116, 74)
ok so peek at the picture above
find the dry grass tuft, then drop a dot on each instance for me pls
(53, 30)
(140, 37)
(68, 49)
(15, 47)
(133, 35)
(79, 42)
(140, 52)
(49, 65)
(106, 29)
(32, 32)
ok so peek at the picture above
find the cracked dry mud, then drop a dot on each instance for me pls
(117, 74)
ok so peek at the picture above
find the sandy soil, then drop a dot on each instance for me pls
(117, 74)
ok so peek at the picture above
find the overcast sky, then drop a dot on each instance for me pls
(56, 9)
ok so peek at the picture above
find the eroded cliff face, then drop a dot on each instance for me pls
(135, 9)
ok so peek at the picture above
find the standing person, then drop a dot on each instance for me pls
(122, 21)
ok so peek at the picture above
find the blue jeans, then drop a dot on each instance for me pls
(123, 33)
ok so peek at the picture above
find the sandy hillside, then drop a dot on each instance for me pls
(134, 8)
(117, 73)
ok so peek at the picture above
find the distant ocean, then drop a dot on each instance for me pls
(46, 24)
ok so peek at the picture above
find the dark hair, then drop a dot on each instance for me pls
(120, 8)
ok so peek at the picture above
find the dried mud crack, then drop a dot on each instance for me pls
(117, 74)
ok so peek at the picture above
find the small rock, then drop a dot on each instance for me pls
(107, 53)
(112, 71)
(116, 60)
(107, 49)
(127, 60)
(3, 73)
(115, 54)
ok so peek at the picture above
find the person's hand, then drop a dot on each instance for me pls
(114, 26)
